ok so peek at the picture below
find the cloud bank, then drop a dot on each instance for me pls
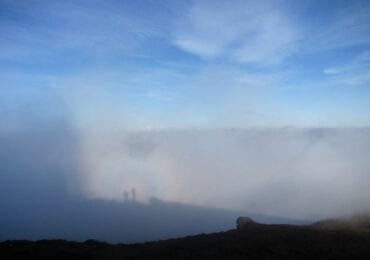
(296, 173)
(51, 167)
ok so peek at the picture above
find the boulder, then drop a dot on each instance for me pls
(242, 222)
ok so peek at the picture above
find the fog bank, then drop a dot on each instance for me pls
(291, 172)
(60, 182)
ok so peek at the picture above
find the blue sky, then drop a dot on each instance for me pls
(180, 64)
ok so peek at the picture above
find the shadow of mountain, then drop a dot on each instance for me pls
(74, 218)
(37, 166)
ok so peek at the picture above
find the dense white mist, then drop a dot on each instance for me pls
(296, 173)
(60, 178)
(303, 173)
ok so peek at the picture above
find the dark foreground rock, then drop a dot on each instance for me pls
(253, 242)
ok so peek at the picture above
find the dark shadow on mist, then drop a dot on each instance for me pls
(39, 164)
(36, 168)
(79, 219)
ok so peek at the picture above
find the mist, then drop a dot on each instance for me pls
(59, 180)
(291, 172)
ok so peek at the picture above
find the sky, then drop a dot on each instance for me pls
(253, 106)
(180, 64)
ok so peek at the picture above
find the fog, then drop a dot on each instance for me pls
(59, 180)
(291, 172)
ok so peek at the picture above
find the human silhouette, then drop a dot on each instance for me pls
(125, 196)
(133, 194)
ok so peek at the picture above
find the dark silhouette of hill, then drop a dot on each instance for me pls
(357, 223)
(253, 241)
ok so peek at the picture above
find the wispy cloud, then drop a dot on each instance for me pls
(137, 54)
(355, 72)
(267, 32)
(94, 28)
(346, 27)
(242, 31)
